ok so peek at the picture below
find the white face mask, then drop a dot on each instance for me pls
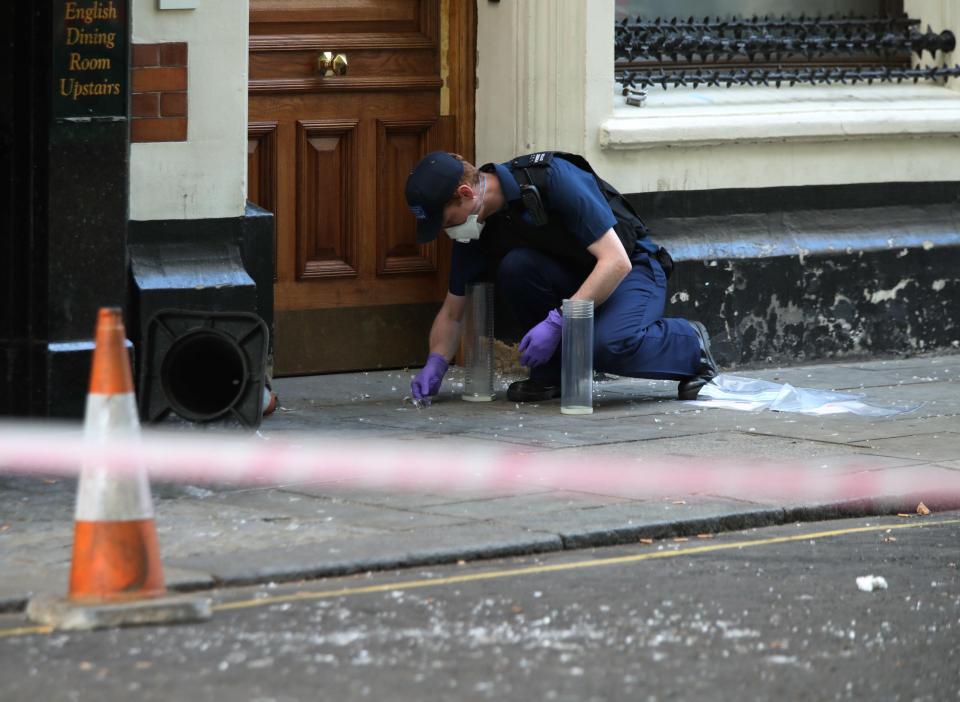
(471, 228)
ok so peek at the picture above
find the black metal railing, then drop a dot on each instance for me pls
(778, 77)
(775, 51)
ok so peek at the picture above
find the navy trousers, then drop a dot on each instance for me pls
(631, 337)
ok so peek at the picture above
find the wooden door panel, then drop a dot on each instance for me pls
(339, 84)
(399, 146)
(286, 107)
(338, 16)
(331, 155)
(327, 180)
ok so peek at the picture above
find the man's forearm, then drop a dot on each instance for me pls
(611, 268)
(602, 281)
(445, 336)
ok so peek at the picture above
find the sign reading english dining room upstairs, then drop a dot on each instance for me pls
(90, 59)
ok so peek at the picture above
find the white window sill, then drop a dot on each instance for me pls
(709, 116)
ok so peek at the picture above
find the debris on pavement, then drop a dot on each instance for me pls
(869, 583)
(413, 401)
(922, 509)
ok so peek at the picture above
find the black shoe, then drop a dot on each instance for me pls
(706, 371)
(531, 391)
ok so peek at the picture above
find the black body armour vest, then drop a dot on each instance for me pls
(507, 229)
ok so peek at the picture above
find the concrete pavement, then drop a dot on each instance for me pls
(229, 535)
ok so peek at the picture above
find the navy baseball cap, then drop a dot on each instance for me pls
(431, 184)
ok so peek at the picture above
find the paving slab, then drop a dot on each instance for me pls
(340, 427)
(423, 547)
(726, 445)
(296, 510)
(938, 399)
(850, 430)
(366, 389)
(506, 508)
(193, 527)
(932, 446)
(554, 435)
(36, 499)
(851, 375)
(415, 501)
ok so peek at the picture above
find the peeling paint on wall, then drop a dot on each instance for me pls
(883, 295)
(779, 310)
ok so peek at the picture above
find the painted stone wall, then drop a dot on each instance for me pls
(203, 176)
(546, 82)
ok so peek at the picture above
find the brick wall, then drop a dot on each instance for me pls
(159, 95)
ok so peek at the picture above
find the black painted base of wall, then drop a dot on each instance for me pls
(44, 380)
(67, 377)
(61, 375)
(786, 311)
(790, 275)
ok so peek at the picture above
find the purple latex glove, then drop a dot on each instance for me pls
(427, 382)
(539, 344)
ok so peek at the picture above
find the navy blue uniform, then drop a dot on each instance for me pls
(631, 337)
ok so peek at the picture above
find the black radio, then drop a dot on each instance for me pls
(533, 204)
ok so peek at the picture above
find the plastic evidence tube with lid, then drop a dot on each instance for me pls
(478, 343)
(576, 353)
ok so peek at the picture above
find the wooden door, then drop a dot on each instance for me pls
(329, 155)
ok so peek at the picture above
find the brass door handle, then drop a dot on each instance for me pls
(331, 64)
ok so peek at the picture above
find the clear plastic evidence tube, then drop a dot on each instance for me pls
(576, 352)
(478, 343)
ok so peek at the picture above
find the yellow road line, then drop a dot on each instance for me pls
(530, 570)
(25, 630)
(576, 565)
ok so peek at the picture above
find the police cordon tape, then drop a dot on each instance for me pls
(57, 449)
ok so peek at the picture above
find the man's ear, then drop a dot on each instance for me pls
(464, 190)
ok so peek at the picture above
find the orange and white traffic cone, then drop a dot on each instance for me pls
(116, 576)
(115, 549)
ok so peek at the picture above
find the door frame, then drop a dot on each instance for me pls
(462, 79)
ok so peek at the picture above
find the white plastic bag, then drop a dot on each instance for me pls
(752, 395)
